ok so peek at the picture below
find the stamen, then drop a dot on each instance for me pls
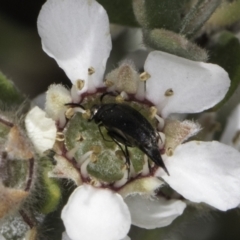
(74, 93)
(161, 122)
(85, 157)
(60, 137)
(79, 109)
(123, 180)
(108, 83)
(87, 114)
(124, 95)
(93, 158)
(96, 149)
(91, 71)
(153, 112)
(169, 92)
(169, 151)
(236, 137)
(145, 170)
(80, 84)
(69, 113)
(62, 118)
(70, 154)
(144, 76)
(79, 138)
(162, 139)
(94, 182)
(84, 171)
(119, 99)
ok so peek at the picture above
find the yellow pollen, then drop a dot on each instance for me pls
(144, 76)
(91, 71)
(108, 83)
(69, 113)
(80, 84)
(93, 182)
(79, 138)
(153, 112)
(236, 137)
(169, 92)
(96, 149)
(125, 167)
(119, 99)
(169, 151)
(86, 115)
(60, 137)
(93, 158)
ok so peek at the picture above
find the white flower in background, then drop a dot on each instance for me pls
(76, 34)
(2, 237)
(231, 134)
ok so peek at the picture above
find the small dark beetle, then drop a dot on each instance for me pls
(127, 126)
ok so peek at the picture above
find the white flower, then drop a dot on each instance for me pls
(102, 209)
(41, 129)
(2, 237)
(231, 134)
(76, 34)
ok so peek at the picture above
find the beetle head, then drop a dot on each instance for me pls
(94, 109)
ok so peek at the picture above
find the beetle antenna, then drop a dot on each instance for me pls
(75, 105)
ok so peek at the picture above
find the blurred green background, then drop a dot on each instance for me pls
(23, 61)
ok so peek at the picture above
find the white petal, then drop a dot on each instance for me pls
(196, 86)
(2, 237)
(76, 34)
(40, 129)
(231, 134)
(93, 214)
(126, 238)
(205, 172)
(65, 236)
(143, 186)
(39, 100)
(155, 212)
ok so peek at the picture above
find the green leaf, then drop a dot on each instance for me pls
(226, 53)
(8, 93)
(120, 12)
(160, 14)
(227, 14)
(197, 16)
(50, 188)
(170, 42)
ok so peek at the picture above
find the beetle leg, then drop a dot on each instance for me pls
(126, 153)
(149, 166)
(99, 128)
(75, 105)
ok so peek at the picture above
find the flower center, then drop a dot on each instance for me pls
(107, 138)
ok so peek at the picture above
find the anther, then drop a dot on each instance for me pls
(108, 83)
(144, 76)
(80, 84)
(60, 137)
(169, 151)
(87, 114)
(93, 158)
(119, 99)
(169, 92)
(79, 138)
(236, 137)
(69, 113)
(91, 71)
(153, 112)
(96, 149)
